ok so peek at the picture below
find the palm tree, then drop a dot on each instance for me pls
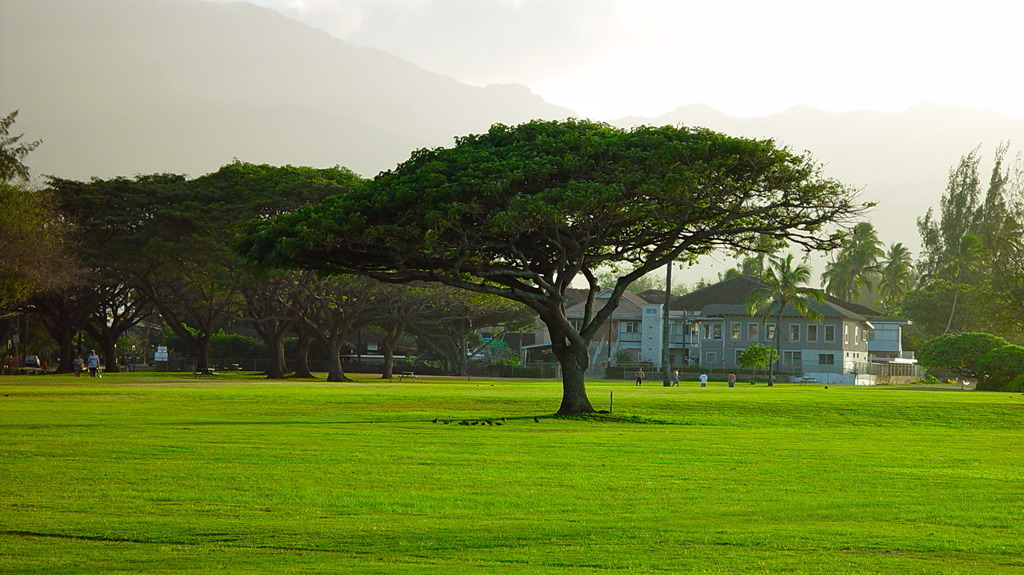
(855, 267)
(784, 281)
(896, 275)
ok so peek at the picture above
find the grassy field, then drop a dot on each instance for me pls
(162, 474)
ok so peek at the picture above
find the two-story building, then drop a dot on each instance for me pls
(710, 327)
(831, 349)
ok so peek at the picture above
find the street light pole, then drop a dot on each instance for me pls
(666, 355)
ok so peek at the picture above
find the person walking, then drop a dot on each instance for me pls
(78, 365)
(93, 363)
(639, 377)
(732, 379)
(703, 379)
(675, 377)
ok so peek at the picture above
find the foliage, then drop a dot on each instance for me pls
(854, 268)
(969, 264)
(13, 152)
(651, 281)
(222, 345)
(1001, 365)
(784, 279)
(758, 356)
(32, 254)
(168, 239)
(522, 211)
(895, 276)
(31, 238)
(958, 353)
(1016, 384)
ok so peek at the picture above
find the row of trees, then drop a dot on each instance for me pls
(969, 275)
(100, 257)
(517, 213)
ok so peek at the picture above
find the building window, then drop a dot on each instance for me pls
(651, 311)
(769, 332)
(710, 358)
(713, 331)
(735, 329)
(792, 358)
(846, 335)
(631, 326)
(826, 359)
(794, 332)
(812, 333)
(739, 352)
(752, 332)
(830, 333)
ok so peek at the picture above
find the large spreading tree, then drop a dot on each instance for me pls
(521, 212)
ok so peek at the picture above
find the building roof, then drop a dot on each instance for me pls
(730, 296)
(630, 307)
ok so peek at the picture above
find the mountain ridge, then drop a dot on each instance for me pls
(122, 87)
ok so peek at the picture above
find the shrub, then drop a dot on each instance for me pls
(1001, 365)
(958, 353)
(1016, 384)
(234, 346)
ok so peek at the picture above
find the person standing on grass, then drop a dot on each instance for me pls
(639, 377)
(732, 379)
(703, 379)
(93, 363)
(78, 365)
(675, 377)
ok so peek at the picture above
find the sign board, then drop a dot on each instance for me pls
(161, 353)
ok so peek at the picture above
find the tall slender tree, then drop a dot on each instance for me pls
(854, 270)
(785, 281)
(13, 152)
(895, 276)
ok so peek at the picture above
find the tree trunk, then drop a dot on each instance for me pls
(302, 351)
(203, 350)
(66, 341)
(334, 370)
(395, 332)
(109, 348)
(778, 354)
(277, 361)
(574, 360)
(461, 359)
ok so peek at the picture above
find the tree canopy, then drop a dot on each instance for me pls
(522, 211)
(958, 353)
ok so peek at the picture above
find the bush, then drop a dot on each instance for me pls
(1016, 384)
(958, 353)
(234, 346)
(1001, 365)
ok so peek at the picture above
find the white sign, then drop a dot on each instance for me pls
(161, 353)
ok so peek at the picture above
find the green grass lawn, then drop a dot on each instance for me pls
(151, 473)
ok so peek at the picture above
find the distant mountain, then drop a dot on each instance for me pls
(899, 160)
(120, 87)
(124, 87)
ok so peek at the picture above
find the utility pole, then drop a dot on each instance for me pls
(666, 355)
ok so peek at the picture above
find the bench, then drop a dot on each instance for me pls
(201, 373)
(808, 380)
(405, 374)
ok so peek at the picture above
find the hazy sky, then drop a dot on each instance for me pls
(610, 58)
